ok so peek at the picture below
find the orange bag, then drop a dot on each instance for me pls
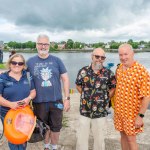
(19, 125)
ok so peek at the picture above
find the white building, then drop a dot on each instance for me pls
(107, 46)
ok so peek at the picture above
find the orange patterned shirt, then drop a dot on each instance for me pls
(132, 85)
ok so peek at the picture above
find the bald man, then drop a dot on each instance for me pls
(132, 97)
(96, 85)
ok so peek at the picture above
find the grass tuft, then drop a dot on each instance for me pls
(65, 121)
(3, 66)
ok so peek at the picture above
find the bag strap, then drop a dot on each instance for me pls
(29, 80)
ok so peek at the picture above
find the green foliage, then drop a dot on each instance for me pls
(30, 44)
(82, 45)
(65, 121)
(77, 45)
(17, 45)
(142, 42)
(52, 48)
(134, 44)
(69, 44)
(148, 44)
(56, 46)
(5, 47)
(114, 45)
(2, 66)
(63, 42)
(96, 45)
(130, 41)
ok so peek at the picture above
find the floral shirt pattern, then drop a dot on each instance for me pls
(94, 98)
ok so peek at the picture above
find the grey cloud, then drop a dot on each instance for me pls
(57, 17)
(72, 14)
(6, 37)
(30, 19)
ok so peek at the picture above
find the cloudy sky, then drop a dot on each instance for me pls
(81, 20)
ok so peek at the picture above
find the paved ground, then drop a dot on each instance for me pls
(68, 134)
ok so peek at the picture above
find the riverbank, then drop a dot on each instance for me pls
(68, 134)
(77, 50)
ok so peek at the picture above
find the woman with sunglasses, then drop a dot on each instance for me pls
(15, 89)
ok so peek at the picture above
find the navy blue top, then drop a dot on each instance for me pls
(46, 76)
(13, 90)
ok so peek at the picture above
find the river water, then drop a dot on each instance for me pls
(75, 61)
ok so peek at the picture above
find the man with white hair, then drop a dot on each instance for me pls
(132, 97)
(48, 71)
(96, 84)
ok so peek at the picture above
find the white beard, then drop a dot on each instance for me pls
(43, 52)
(98, 66)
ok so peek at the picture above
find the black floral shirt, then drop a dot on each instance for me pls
(94, 98)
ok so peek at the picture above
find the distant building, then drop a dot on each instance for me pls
(1, 51)
(87, 48)
(141, 46)
(62, 46)
(1, 44)
(107, 46)
(52, 44)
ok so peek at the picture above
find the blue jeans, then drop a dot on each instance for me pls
(17, 147)
(12, 146)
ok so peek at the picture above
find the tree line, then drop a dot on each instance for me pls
(70, 44)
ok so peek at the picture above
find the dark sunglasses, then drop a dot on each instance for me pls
(15, 63)
(102, 57)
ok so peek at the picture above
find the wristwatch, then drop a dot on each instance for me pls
(67, 98)
(141, 115)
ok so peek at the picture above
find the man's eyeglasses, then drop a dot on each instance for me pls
(102, 57)
(43, 44)
(15, 63)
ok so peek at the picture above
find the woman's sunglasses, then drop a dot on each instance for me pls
(15, 63)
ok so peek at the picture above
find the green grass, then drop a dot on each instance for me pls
(3, 66)
(65, 121)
